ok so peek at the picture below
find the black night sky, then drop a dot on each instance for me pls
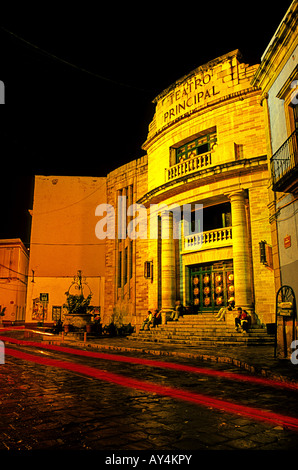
(79, 85)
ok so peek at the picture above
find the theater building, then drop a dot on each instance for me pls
(206, 160)
(206, 146)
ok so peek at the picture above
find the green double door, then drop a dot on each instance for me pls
(211, 286)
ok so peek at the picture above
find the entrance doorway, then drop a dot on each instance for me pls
(211, 286)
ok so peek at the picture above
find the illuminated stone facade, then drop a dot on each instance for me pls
(206, 145)
(126, 288)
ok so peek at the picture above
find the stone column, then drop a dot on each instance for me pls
(241, 260)
(167, 265)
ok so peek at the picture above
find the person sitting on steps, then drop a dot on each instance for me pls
(156, 318)
(221, 315)
(242, 320)
(178, 312)
(147, 322)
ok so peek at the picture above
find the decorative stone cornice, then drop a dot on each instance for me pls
(236, 96)
(216, 172)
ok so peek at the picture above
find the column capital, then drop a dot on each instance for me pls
(236, 192)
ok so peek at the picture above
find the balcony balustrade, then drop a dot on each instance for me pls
(188, 166)
(206, 240)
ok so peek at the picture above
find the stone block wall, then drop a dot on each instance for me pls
(126, 295)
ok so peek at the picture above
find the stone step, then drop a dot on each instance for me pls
(198, 340)
(198, 317)
(195, 325)
(218, 325)
(209, 341)
(187, 336)
(217, 328)
(200, 321)
(203, 329)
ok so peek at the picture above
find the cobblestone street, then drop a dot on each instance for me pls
(49, 408)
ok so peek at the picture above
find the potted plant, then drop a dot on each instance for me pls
(77, 303)
(78, 310)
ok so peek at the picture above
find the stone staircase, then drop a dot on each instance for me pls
(204, 330)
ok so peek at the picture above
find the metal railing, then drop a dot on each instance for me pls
(285, 159)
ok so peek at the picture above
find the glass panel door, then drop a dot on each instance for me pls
(211, 287)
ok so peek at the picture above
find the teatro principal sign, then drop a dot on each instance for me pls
(201, 88)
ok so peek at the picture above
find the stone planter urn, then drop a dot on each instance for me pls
(77, 320)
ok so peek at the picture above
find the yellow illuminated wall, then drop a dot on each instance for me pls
(63, 239)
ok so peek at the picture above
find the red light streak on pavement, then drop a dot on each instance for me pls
(176, 393)
(155, 363)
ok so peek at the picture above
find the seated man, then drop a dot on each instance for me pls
(242, 320)
(156, 318)
(147, 322)
(178, 312)
(222, 312)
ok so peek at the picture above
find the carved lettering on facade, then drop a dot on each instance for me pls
(192, 93)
